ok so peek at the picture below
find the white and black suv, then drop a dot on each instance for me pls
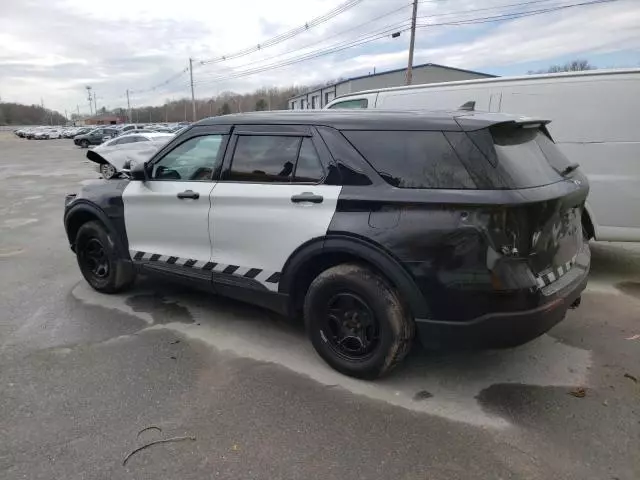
(463, 227)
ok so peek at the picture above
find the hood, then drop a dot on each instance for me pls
(119, 154)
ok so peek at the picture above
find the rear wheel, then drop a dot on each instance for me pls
(357, 322)
(99, 262)
(84, 143)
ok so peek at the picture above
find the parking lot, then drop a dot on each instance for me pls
(82, 374)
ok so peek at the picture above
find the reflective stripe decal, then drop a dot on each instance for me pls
(269, 279)
(554, 274)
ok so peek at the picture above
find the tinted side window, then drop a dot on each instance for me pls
(350, 163)
(194, 160)
(308, 168)
(360, 103)
(412, 159)
(264, 158)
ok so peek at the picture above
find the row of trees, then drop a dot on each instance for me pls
(227, 102)
(18, 114)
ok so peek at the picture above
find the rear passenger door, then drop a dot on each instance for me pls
(270, 200)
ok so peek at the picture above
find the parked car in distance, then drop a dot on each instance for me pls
(94, 137)
(371, 226)
(107, 155)
(594, 123)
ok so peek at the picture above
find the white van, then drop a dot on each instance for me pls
(595, 119)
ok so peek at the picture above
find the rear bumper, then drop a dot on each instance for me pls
(506, 329)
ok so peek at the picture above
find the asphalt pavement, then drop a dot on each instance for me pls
(83, 374)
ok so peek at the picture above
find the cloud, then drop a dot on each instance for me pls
(53, 48)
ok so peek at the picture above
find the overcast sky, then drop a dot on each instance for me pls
(52, 49)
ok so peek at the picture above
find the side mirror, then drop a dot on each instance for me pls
(137, 171)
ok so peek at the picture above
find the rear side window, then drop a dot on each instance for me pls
(412, 159)
(359, 103)
(521, 157)
(264, 158)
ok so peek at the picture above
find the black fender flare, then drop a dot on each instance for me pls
(84, 208)
(365, 250)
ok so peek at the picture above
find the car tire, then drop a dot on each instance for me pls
(99, 261)
(84, 143)
(108, 171)
(357, 321)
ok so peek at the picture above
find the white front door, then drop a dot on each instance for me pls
(167, 216)
(270, 201)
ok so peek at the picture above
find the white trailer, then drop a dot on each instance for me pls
(595, 119)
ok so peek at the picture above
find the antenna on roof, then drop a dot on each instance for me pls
(469, 106)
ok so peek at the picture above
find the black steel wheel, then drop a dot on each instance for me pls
(93, 258)
(351, 328)
(99, 261)
(84, 143)
(357, 321)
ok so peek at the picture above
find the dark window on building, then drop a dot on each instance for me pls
(313, 102)
(360, 103)
(412, 159)
(326, 98)
(308, 168)
(264, 158)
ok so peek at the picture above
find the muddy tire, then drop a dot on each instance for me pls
(357, 321)
(99, 261)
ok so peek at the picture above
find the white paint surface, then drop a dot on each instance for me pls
(157, 221)
(257, 225)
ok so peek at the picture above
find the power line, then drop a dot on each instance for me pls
(335, 35)
(520, 4)
(513, 15)
(370, 38)
(287, 35)
(313, 54)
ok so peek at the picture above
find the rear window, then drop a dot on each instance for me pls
(521, 157)
(412, 159)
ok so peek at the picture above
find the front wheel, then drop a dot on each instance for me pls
(84, 144)
(99, 262)
(357, 322)
(108, 171)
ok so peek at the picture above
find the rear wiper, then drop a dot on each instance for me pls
(569, 169)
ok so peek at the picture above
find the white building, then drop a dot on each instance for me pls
(425, 73)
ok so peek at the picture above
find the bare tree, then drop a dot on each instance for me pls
(577, 65)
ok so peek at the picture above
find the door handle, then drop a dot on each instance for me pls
(188, 194)
(307, 197)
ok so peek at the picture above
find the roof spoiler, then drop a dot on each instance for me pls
(478, 120)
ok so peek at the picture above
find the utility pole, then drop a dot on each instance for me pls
(412, 42)
(129, 107)
(95, 104)
(65, 116)
(193, 95)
